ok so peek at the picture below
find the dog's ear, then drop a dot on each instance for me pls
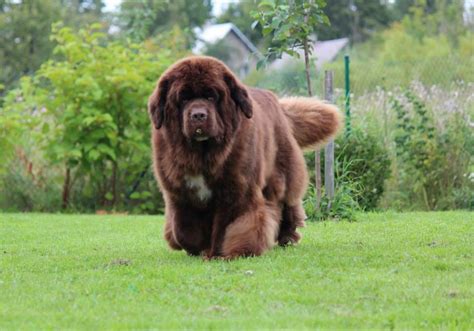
(239, 94)
(157, 103)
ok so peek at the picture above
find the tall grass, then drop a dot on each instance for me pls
(451, 110)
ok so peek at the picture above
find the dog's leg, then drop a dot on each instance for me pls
(219, 225)
(293, 215)
(188, 229)
(253, 232)
(169, 236)
(292, 218)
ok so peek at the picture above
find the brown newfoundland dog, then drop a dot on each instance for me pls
(229, 159)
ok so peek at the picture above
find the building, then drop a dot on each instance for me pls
(323, 51)
(228, 43)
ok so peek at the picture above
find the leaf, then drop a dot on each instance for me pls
(88, 120)
(75, 153)
(267, 30)
(107, 150)
(109, 196)
(266, 4)
(276, 22)
(149, 205)
(94, 154)
(45, 128)
(135, 196)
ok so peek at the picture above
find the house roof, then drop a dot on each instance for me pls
(324, 51)
(213, 33)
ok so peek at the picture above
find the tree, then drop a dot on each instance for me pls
(292, 27)
(142, 19)
(356, 19)
(25, 27)
(445, 17)
(91, 105)
(400, 8)
(24, 36)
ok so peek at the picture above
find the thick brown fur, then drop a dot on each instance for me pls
(229, 161)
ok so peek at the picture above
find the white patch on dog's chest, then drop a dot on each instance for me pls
(199, 184)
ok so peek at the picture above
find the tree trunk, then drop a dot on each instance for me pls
(113, 184)
(66, 188)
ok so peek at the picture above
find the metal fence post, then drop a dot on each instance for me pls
(348, 94)
(329, 149)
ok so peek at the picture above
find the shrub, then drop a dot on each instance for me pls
(90, 105)
(433, 162)
(363, 163)
(29, 187)
(367, 163)
(344, 204)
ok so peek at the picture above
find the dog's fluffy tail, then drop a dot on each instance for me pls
(313, 122)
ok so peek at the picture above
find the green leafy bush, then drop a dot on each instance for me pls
(362, 164)
(28, 186)
(90, 105)
(343, 206)
(367, 163)
(433, 163)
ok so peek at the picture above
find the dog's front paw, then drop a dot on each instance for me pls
(289, 238)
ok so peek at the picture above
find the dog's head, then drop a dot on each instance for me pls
(200, 99)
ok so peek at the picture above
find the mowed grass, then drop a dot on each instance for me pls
(388, 270)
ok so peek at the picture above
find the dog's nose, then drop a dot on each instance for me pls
(199, 114)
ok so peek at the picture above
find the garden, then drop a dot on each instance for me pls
(81, 215)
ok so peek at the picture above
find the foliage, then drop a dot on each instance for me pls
(175, 40)
(356, 19)
(450, 110)
(363, 161)
(392, 58)
(362, 166)
(424, 154)
(221, 50)
(385, 62)
(401, 8)
(29, 186)
(239, 14)
(92, 101)
(25, 27)
(431, 18)
(343, 206)
(291, 26)
(289, 80)
(144, 19)
(405, 271)
(432, 44)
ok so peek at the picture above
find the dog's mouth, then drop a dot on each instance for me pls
(199, 135)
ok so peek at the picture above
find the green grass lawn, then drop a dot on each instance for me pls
(412, 270)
